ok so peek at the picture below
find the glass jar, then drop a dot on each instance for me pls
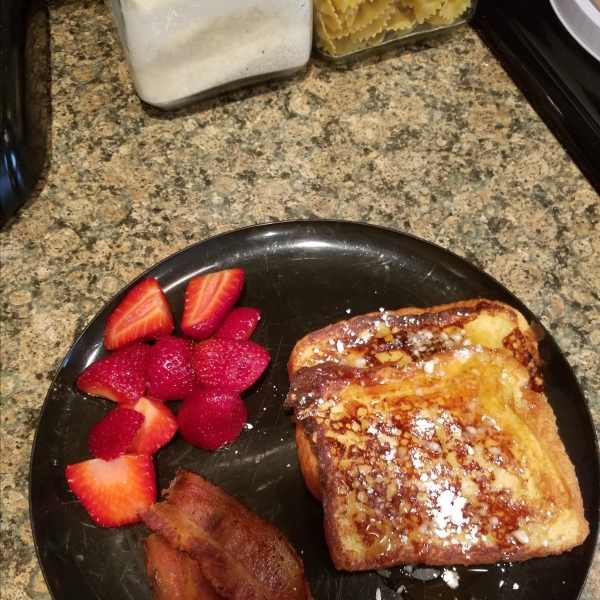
(180, 51)
(348, 29)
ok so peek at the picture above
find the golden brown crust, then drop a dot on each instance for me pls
(370, 340)
(504, 488)
(539, 416)
(309, 462)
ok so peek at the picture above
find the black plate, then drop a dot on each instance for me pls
(302, 276)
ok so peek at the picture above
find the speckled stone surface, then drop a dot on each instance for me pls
(434, 140)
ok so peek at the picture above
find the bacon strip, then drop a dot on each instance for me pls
(243, 556)
(173, 575)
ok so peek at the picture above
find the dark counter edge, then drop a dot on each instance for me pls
(499, 24)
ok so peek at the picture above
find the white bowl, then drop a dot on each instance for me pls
(581, 18)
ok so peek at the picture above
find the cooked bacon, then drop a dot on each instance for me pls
(243, 556)
(173, 575)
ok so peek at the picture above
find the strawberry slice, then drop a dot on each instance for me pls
(238, 324)
(208, 298)
(212, 419)
(111, 436)
(114, 492)
(229, 364)
(120, 377)
(159, 427)
(169, 369)
(143, 315)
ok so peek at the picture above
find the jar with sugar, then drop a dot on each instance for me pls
(180, 51)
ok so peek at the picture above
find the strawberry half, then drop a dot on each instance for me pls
(111, 436)
(211, 419)
(143, 315)
(208, 298)
(238, 324)
(229, 364)
(120, 377)
(114, 492)
(169, 369)
(159, 427)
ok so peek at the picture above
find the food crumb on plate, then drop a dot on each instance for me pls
(451, 579)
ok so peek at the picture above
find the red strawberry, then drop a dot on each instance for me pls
(111, 436)
(211, 419)
(238, 324)
(120, 377)
(229, 364)
(114, 492)
(159, 425)
(143, 315)
(208, 298)
(169, 369)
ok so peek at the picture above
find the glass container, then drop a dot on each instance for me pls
(350, 29)
(179, 51)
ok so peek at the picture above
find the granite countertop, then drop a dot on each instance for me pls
(434, 140)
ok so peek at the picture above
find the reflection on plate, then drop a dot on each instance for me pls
(302, 276)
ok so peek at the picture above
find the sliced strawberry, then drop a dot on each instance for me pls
(238, 324)
(114, 492)
(169, 369)
(111, 436)
(208, 298)
(143, 315)
(229, 364)
(211, 419)
(120, 377)
(159, 427)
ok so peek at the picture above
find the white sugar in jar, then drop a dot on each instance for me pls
(183, 50)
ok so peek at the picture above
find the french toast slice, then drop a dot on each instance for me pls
(451, 460)
(402, 336)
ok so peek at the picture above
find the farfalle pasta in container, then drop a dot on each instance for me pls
(347, 28)
(179, 51)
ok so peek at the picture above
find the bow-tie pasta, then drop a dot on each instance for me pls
(345, 26)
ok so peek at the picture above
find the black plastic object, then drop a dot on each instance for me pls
(557, 76)
(301, 276)
(24, 100)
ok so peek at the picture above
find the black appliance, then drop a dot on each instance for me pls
(24, 100)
